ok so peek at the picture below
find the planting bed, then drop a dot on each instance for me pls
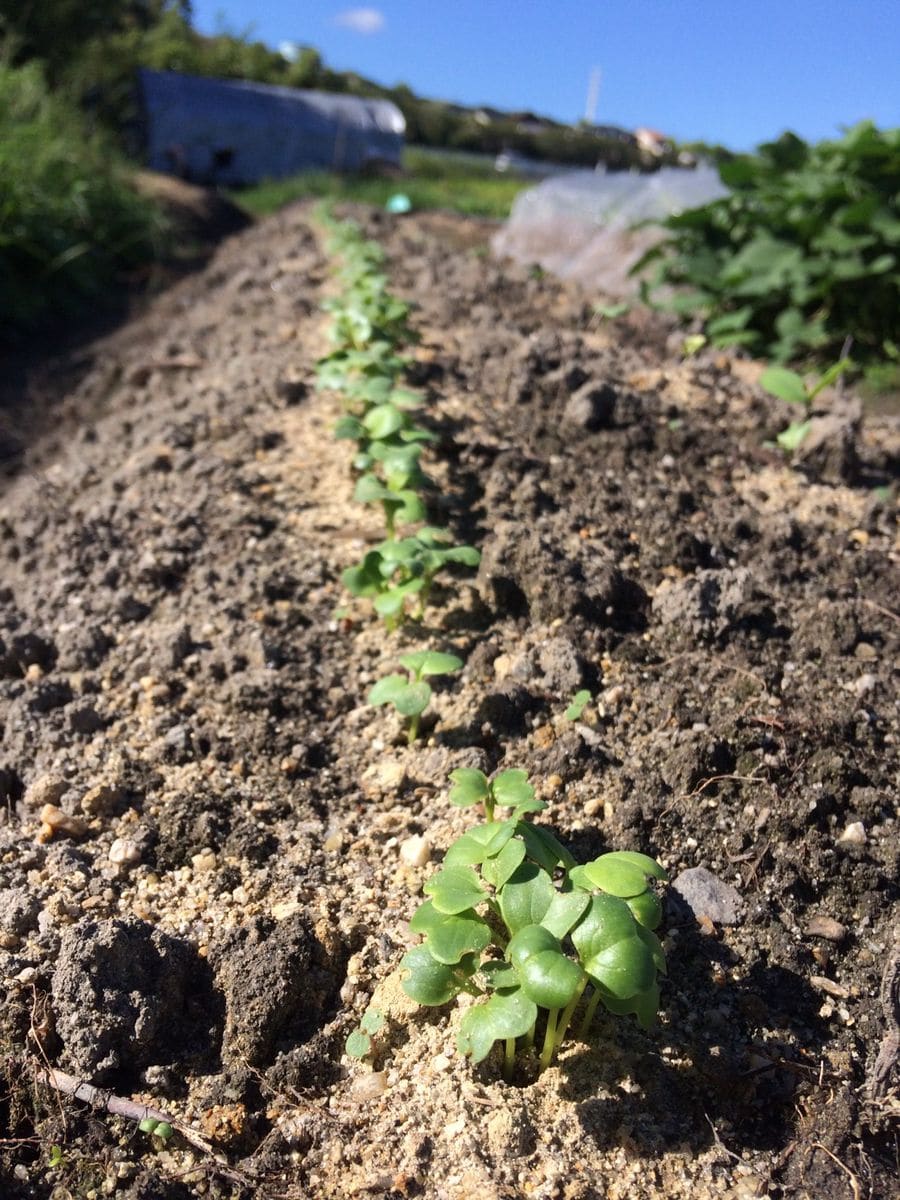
(247, 839)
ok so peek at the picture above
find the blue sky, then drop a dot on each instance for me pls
(732, 71)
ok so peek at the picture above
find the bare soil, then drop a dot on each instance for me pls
(231, 893)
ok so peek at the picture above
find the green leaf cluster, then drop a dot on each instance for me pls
(803, 253)
(404, 568)
(410, 694)
(368, 326)
(512, 919)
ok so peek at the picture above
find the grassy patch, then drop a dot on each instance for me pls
(431, 180)
(70, 219)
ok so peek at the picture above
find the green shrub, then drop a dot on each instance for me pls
(69, 218)
(804, 253)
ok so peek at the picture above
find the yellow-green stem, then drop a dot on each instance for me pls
(549, 1039)
(589, 1014)
(509, 1059)
(567, 1014)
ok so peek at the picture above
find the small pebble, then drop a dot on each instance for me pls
(100, 800)
(55, 821)
(829, 987)
(48, 789)
(859, 687)
(415, 851)
(708, 896)
(853, 835)
(368, 1087)
(204, 861)
(383, 778)
(124, 852)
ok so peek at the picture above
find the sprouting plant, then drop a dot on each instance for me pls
(410, 694)
(791, 387)
(398, 569)
(579, 702)
(512, 920)
(402, 505)
(351, 371)
(693, 344)
(161, 1129)
(609, 312)
(359, 1043)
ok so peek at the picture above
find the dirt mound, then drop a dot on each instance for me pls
(196, 212)
(201, 883)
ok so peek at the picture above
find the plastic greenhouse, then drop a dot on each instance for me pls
(231, 132)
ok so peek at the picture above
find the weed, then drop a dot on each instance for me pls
(359, 1043)
(791, 387)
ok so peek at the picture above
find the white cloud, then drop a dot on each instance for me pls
(361, 20)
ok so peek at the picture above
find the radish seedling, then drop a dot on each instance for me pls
(398, 569)
(510, 918)
(580, 701)
(410, 694)
(359, 1043)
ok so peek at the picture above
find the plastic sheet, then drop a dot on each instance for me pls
(581, 225)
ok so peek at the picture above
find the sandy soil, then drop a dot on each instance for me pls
(231, 888)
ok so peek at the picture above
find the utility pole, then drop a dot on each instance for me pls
(593, 95)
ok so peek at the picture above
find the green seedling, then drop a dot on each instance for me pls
(359, 1043)
(389, 440)
(693, 344)
(399, 569)
(160, 1129)
(579, 702)
(513, 920)
(609, 312)
(411, 694)
(347, 370)
(787, 385)
(401, 505)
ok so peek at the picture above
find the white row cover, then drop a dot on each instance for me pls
(581, 225)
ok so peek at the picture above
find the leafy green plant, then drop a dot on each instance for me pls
(410, 694)
(791, 387)
(397, 570)
(801, 255)
(512, 920)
